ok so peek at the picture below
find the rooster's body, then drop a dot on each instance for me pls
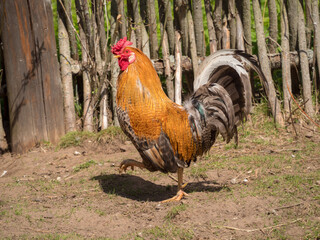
(169, 136)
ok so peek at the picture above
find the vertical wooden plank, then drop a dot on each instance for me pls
(48, 74)
(31, 66)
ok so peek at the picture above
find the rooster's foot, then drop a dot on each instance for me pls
(178, 197)
(130, 163)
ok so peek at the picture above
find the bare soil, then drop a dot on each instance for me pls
(267, 188)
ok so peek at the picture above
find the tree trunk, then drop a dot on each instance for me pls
(270, 90)
(198, 27)
(104, 120)
(100, 29)
(3, 141)
(170, 27)
(225, 35)
(165, 50)
(114, 79)
(293, 23)
(211, 30)
(309, 25)
(305, 74)
(137, 23)
(178, 73)
(285, 60)
(181, 8)
(167, 71)
(316, 22)
(273, 26)
(232, 22)
(193, 47)
(66, 72)
(85, 21)
(86, 79)
(246, 20)
(217, 21)
(70, 29)
(153, 29)
(33, 82)
(240, 34)
(123, 26)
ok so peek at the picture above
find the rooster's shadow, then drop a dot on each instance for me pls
(139, 189)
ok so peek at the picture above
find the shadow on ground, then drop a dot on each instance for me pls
(136, 188)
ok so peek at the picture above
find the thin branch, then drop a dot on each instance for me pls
(260, 229)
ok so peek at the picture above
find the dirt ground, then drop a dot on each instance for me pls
(267, 188)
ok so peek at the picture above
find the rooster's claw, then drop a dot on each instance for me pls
(129, 163)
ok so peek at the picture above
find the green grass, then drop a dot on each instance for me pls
(174, 211)
(110, 133)
(84, 165)
(77, 138)
(199, 172)
(74, 139)
(166, 231)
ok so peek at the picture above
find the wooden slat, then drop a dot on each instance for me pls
(32, 73)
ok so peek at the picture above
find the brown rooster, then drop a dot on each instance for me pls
(169, 136)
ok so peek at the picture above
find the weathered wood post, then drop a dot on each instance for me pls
(32, 73)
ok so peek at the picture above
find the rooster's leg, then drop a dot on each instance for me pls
(180, 193)
(130, 163)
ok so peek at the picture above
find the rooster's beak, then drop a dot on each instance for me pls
(116, 56)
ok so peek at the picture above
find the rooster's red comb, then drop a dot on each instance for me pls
(120, 45)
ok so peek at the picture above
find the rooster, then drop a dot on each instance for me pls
(169, 136)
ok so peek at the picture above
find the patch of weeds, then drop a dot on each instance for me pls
(110, 133)
(312, 229)
(279, 234)
(18, 210)
(287, 186)
(46, 143)
(175, 211)
(72, 139)
(28, 217)
(231, 146)
(100, 212)
(167, 231)
(260, 141)
(3, 213)
(46, 185)
(216, 161)
(84, 165)
(310, 147)
(199, 172)
(270, 128)
(2, 203)
(55, 236)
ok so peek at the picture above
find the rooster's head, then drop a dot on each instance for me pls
(124, 55)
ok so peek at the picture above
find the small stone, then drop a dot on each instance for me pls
(59, 179)
(233, 181)
(4, 173)
(48, 216)
(245, 180)
(76, 153)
